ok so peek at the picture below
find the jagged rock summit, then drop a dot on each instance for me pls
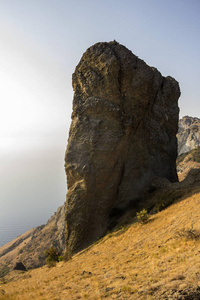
(188, 134)
(122, 136)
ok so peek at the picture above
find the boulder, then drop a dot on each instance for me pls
(122, 136)
(19, 266)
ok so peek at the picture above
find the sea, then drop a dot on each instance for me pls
(16, 220)
(32, 187)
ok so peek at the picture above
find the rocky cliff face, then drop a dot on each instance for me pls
(188, 134)
(122, 136)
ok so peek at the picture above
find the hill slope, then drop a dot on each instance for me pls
(157, 260)
(187, 161)
(30, 246)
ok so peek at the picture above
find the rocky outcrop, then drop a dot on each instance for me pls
(188, 134)
(19, 266)
(122, 136)
(29, 247)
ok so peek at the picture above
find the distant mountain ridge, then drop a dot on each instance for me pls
(188, 134)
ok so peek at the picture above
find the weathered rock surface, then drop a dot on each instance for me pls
(122, 136)
(188, 134)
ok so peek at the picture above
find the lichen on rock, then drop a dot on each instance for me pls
(122, 136)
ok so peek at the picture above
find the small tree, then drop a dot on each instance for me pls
(53, 256)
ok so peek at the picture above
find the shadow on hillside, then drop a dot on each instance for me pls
(155, 201)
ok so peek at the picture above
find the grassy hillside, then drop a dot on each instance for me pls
(139, 261)
(193, 155)
(155, 260)
(30, 246)
(188, 161)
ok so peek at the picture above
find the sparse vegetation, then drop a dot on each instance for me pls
(20, 251)
(53, 256)
(159, 207)
(126, 289)
(195, 155)
(140, 263)
(142, 216)
(181, 157)
(164, 198)
(188, 233)
(4, 270)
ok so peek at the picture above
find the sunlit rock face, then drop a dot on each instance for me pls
(122, 136)
(188, 134)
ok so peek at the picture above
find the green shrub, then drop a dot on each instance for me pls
(53, 256)
(60, 258)
(142, 216)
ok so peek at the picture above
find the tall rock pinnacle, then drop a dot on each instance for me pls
(122, 136)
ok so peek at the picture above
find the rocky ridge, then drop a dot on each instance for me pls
(188, 134)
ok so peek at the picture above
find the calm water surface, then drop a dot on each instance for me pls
(15, 221)
(32, 187)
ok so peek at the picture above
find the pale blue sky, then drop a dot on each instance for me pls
(42, 41)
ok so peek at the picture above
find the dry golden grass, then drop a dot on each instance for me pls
(139, 262)
(188, 161)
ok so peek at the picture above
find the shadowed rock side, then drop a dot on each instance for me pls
(122, 135)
